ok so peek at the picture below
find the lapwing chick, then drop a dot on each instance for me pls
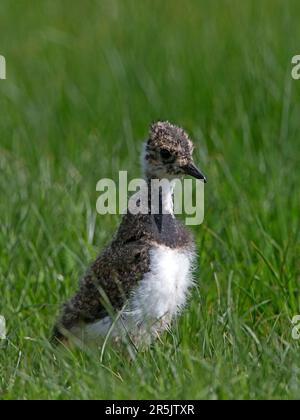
(139, 283)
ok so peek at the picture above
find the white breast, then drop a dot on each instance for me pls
(162, 292)
(158, 298)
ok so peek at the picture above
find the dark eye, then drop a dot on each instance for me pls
(165, 154)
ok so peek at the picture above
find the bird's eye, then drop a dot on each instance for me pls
(165, 154)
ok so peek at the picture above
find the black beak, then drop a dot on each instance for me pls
(191, 170)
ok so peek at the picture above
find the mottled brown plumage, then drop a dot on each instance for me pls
(113, 277)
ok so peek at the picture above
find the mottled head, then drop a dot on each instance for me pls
(168, 153)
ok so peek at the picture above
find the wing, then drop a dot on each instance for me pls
(107, 284)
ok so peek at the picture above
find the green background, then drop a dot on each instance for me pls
(84, 80)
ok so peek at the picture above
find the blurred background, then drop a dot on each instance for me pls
(84, 81)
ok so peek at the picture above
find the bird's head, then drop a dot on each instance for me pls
(168, 153)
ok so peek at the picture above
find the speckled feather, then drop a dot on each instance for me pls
(119, 269)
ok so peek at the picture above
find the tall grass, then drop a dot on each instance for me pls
(84, 80)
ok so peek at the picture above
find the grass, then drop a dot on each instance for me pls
(84, 79)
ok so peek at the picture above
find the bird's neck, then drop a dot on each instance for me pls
(160, 196)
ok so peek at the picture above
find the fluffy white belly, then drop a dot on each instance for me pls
(162, 292)
(159, 296)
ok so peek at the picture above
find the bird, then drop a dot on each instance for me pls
(140, 282)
